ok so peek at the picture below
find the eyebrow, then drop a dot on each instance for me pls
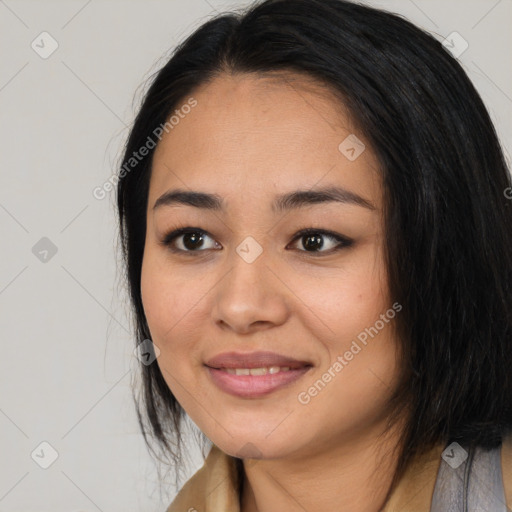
(283, 202)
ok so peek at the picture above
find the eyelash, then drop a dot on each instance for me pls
(343, 242)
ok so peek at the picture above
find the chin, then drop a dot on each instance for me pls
(255, 446)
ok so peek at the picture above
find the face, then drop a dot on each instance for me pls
(244, 277)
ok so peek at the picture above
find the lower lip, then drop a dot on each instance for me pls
(254, 386)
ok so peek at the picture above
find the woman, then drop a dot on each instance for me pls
(317, 241)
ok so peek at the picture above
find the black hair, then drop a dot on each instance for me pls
(448, 224)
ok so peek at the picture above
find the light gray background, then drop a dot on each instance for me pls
(67, 360)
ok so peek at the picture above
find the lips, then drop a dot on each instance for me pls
(254, 386)
(254, 360)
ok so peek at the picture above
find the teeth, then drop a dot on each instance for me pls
(256, 371)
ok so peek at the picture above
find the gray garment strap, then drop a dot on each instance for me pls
(469, 481)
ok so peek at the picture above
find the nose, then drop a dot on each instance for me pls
(251, 296)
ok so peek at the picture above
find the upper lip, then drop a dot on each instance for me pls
(254, 360)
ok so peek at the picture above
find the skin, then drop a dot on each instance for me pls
(249, 138)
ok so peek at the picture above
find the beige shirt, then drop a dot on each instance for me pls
(214, 487)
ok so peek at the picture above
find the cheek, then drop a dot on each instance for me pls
(155, 299)
(358, 327)
(167, 298)
(350, 299)
(175, 306)
(161, 310)
(351, 390)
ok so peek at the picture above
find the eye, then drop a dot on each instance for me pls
(189, 240)
(314, 241)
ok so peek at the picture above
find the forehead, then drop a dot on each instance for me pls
(262, 133)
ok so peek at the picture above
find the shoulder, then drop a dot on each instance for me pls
(417, 487)
(213, 487)
(506, 468)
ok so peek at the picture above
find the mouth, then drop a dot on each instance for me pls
(256, 374)
(270, 370)
(254, 360)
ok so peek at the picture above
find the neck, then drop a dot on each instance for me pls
(354, 476)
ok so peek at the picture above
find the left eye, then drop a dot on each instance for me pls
(313, 240)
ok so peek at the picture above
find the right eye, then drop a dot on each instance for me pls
(189, 239)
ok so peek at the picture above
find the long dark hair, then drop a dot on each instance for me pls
(448, 223)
